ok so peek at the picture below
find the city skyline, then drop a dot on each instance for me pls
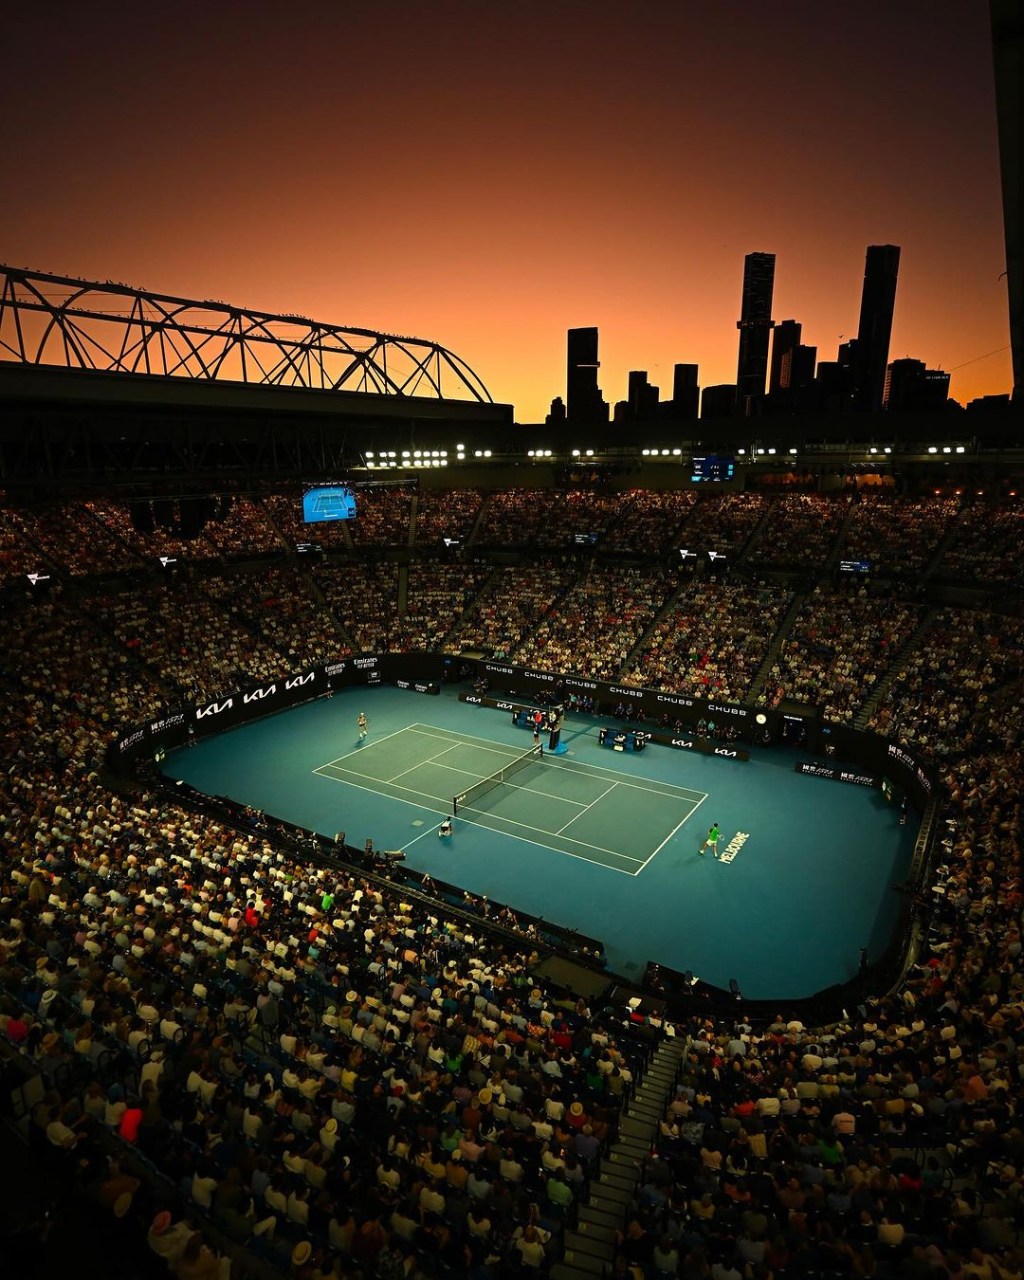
(491, 183)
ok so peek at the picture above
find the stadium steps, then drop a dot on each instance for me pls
(838, 546)
(885, 684)
(774, 649)
(477, 520)
(755, 534)
(470, 612)
(659, 617)
(590, 1245)
(402, 603)
(414, 509)
(944, 543)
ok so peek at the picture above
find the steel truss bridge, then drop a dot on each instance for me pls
(102, 380)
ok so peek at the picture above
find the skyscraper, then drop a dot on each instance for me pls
(910, 386)
(755, 326)
(685, 391)
(877, 302)
(784, 339)
(584, 402)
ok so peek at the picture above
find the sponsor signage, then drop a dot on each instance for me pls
(837, 773)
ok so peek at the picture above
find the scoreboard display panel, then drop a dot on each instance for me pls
(713, 467)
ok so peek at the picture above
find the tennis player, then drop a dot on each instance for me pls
(711, 839)
(364, 725)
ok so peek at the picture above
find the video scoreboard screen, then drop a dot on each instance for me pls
(714, 467)
(329, 502)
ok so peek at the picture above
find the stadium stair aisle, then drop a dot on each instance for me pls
(660, 616)
(882, 688)
(835, 554)
(590, 1245)
(930, 568)
(474, 527)
(755, 535)
(414, 508)
(785, 626)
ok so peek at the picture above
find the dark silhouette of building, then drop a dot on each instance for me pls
(685, 403)
(584, 402)
(1008, 59)
(877, 302)
(755, 326)
(784, 339)
(556, 414)
(909, 386)
(642, 399)
(719, 401)
(797, 372)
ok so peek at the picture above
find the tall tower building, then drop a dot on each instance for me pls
(877, 302)
(1008, 59)
(685, 391)
(784, 339)
(755, 326)
(584, 402)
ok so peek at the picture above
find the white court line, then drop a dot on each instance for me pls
(483, 827)
(509, 752)
(671, 834)
(360, 749)
(432, 760)
(583, 811)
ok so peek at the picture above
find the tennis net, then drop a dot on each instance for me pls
(478, 789)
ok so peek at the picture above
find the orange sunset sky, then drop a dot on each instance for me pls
(489, 174)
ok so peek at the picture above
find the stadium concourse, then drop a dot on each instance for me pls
(226, 1057)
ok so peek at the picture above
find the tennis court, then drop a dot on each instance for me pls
(567, 806)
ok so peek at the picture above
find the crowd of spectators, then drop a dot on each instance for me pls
(712, 641)
(956, 682)
(897, 535)
(244, 529)
(65, 535)
(985, 544)
(650, 520)
(843, 641)
(382, 518)
(363, 599)
(512, 517)
(581, 513)
(724, 521)
(446, 513)
(280, 605)
(297, 1054)
(169, 627)
(514, 602)
(593, 629)
(799, 531)
(438, 596)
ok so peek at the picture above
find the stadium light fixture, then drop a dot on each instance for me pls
(590, 453)
(792, 451)
(932, 449)
(960, 449)
(576, 453)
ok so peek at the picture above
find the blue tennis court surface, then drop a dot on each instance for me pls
(599, 841)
